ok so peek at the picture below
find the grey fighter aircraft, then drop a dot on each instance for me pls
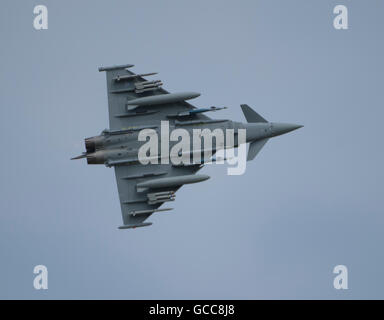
(135, 104)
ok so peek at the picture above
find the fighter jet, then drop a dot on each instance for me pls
(136, 104)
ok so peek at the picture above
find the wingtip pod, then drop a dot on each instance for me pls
(123, 66)
(137, 225)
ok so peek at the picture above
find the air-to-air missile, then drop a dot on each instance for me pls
(134, 76)
(195, 111)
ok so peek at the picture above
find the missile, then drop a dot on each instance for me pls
(195, 111)
(213, 108)
(161, 99)
(171, 181)
(146, 83)
(133, 76)
(147, 86)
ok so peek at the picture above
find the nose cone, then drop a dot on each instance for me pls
(282, 128)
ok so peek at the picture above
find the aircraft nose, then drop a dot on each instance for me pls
(282, 128)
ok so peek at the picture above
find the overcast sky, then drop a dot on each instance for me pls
(311, 200)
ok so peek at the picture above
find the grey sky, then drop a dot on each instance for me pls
(311, 200)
